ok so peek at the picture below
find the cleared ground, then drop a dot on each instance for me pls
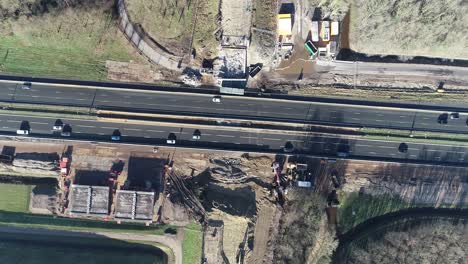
(427, 28)
(173, 24)
(14, 197)
(24, 248)
(66, 42)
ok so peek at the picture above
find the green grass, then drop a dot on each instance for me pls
(70, 43)
(356, 208)
(418, 136)
(76, 224)
(15, 197)
(43, 248)
(192, 244)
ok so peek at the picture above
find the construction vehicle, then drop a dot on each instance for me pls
(315, 31)
(311, 48)
(325, 31)
(64, 166)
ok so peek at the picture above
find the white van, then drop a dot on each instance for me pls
(22, 132)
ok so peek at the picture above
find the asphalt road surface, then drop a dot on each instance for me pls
(437, 72)
(238, 139)
(235, 107)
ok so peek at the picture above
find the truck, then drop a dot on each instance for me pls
(315, 31)
(325, 31)
(311, 48)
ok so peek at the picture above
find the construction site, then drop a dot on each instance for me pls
(249, 204)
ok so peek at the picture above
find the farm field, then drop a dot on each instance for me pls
(14, 197)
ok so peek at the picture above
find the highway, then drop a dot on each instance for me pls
(234, 107)
(236, 139)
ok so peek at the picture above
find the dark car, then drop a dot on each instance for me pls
(66, 130)
(116, 135)
(403, 148)
(454, 116)
(288, 147)
(442, 119)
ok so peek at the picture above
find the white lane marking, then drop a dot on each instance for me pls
(373, 153)
(5, 127)
(109, 127)
(246, 137)
(229, 136)
(296, 140)
(387, 147)
(133, 129)
(275, 139)
(39, 123)
(83, 126)
(355, 118)
(156, 131)
(13, 121)
(362, 145)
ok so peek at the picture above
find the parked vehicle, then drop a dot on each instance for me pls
(315, 31)
(311, 48)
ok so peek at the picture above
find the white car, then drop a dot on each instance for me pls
(65, 134)
(115, 138)
(26, 86)
(22, 132)
(216, 99)
(196, 137)
(170, 141)
(57, 128)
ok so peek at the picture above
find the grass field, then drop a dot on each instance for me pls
(23, 248)
(192, 244)
(168, 22)
(76, 224)
(66, 43)
(428, 28)
(15, 197)
(171, 23)
(356, 208)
